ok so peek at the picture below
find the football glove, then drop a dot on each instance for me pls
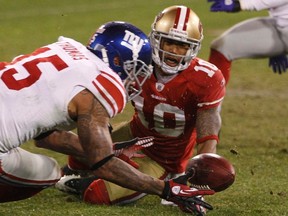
(279, 63)
(187, 198)
(128, 149)
(201, 209)
(225, 5)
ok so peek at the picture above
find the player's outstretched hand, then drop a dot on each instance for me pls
(225, 5)
(187, 198)
(279, 64)
(132, 145)
(128, 149)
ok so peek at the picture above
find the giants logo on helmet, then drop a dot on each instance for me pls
(132, 42)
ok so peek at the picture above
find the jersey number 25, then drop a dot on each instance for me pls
(30, 67)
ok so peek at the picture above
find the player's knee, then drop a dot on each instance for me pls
(97, 193)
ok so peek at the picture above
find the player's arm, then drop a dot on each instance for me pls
(238, 5)
(94, 136)
(65, 142)
(208, 124)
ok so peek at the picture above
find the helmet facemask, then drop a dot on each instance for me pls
(137, 73)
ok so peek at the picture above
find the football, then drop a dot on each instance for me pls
(212, 170)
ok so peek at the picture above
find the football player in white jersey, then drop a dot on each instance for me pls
(178, 106)
(66, 85)
(261, 37)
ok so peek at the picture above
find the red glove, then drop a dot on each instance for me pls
(188, 199)
(128, 149)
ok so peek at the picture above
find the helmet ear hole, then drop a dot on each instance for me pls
(116, 61)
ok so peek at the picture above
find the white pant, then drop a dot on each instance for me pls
(19, 167)
(243, 40)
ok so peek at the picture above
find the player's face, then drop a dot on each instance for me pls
(173, 51)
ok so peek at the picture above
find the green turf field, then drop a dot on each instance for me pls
(255, 110)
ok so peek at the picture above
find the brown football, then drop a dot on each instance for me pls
(212, 170)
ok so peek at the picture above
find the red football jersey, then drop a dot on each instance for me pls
(168, 112)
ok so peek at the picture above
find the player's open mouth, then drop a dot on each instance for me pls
(172, 62)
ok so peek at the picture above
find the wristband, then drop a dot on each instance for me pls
(101, 162)
(166, 191)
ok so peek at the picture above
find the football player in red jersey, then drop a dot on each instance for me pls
(179, 107)
(67, 85)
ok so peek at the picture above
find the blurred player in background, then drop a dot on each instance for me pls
(66, 85)
(179, 107)
(254, 38)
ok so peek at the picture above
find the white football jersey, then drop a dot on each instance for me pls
(277, 9)
(35, 90)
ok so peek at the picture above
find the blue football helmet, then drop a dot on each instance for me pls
(127, 51)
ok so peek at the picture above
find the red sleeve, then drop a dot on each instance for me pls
(211, 84)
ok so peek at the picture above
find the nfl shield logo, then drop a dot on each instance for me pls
(159, 86)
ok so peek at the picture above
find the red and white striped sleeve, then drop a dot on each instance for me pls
(110, 92)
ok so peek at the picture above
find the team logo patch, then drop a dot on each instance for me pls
(176, 189)
(159, 87)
